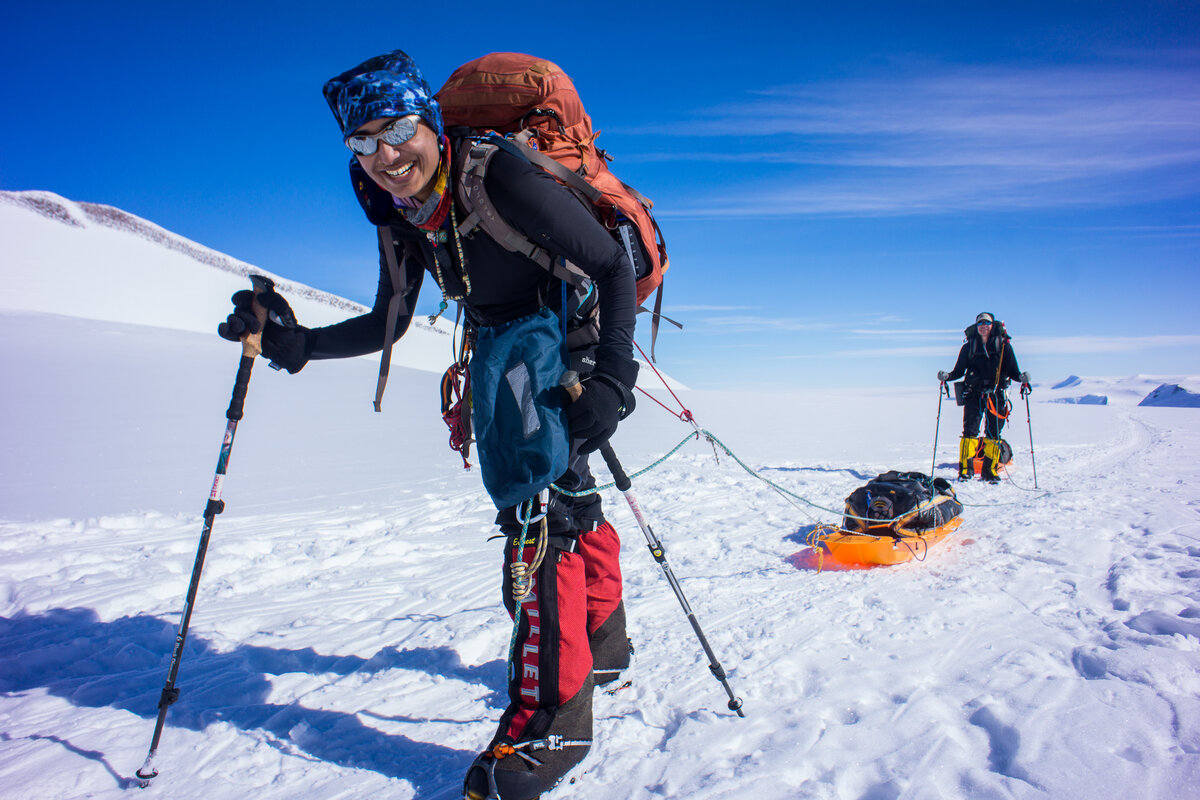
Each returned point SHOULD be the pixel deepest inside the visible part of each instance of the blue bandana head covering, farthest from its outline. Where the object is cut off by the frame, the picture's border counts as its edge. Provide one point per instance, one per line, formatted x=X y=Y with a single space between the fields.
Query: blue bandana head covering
x=390 y=85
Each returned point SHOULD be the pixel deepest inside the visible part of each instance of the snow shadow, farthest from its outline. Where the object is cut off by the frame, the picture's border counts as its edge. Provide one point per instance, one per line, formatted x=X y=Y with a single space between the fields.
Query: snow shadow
x=816 y=559
x=72 y=654
x=828 y=470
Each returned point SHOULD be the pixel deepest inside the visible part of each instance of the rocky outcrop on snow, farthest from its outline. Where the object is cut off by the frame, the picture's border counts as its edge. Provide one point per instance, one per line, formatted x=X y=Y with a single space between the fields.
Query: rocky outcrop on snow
x=1073 y=380
x=1086 y=400
x=1171 y=395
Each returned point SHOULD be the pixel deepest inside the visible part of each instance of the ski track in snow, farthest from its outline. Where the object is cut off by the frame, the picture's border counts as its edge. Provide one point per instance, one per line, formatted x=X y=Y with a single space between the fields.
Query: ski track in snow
x=348 y=638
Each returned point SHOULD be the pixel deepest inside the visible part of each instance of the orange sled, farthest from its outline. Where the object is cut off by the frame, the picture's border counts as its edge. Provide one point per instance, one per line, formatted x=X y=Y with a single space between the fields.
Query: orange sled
x=893 y=519
x=882 y=548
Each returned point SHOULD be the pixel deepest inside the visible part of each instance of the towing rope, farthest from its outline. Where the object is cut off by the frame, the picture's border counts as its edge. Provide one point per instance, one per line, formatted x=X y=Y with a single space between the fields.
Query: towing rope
x=686 y=416
x=712 y=439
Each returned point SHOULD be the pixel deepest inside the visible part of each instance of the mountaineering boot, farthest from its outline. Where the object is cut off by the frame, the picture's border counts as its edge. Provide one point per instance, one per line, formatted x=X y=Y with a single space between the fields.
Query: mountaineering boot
x=522 y=770
x=967 y=447
x=991 y=460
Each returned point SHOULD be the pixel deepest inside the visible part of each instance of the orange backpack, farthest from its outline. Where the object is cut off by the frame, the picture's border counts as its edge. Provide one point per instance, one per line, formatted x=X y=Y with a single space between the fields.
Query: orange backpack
x=532 y=102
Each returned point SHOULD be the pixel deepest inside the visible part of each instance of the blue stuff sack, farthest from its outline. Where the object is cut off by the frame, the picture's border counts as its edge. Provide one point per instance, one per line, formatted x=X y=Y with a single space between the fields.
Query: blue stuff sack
x=519 y=411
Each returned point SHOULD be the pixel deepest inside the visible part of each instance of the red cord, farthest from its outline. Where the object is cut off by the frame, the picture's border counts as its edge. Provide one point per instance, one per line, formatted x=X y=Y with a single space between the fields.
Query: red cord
x=686 y=415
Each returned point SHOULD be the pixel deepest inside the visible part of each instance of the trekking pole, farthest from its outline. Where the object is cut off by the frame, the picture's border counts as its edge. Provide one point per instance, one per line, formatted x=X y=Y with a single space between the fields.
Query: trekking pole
x=660 y=555
x=938 y=428
x=1032 y=457
x=251 y=348
x=570 y=382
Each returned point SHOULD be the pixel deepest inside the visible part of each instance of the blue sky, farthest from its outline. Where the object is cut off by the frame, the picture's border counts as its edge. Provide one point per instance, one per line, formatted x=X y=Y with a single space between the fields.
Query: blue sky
x=842 y=186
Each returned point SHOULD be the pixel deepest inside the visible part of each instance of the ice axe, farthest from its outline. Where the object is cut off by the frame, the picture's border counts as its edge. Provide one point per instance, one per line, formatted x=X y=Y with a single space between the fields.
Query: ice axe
x=251 y=348
x=570 y=382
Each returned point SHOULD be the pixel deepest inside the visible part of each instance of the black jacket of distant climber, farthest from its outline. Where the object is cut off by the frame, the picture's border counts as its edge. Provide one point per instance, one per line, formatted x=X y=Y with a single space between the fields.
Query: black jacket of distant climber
x=979 y=363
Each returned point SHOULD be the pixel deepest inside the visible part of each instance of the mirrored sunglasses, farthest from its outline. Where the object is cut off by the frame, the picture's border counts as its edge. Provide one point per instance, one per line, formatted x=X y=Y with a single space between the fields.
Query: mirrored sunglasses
x=983 y=322
x=395 y=134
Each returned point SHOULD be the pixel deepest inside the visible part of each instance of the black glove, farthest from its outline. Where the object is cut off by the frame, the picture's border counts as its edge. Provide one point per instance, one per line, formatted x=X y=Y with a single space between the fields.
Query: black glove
x=284 y=342
x=594 y=416
x=942 y=376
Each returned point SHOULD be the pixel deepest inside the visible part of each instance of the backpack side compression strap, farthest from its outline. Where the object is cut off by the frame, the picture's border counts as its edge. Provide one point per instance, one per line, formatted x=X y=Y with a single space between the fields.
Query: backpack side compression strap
x=388 y=245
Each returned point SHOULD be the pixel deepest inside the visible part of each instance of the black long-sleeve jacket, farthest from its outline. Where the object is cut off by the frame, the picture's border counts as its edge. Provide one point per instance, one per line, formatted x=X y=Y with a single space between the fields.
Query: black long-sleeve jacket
x=981 y=362
x=504 y=285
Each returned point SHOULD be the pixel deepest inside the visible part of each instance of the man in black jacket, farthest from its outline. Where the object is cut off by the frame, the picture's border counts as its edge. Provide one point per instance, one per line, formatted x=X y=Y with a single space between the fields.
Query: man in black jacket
x=571 y=620
x=988 y=363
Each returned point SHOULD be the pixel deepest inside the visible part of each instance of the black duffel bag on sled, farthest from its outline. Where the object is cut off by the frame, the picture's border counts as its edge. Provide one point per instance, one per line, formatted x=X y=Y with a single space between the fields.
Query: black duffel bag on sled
x=901 y=504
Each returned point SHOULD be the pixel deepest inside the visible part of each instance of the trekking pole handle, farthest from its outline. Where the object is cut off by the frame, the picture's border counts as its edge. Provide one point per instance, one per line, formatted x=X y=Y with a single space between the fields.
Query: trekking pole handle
x=251 y=349
x=252 y=343
x=614 y=466
x=570 y=382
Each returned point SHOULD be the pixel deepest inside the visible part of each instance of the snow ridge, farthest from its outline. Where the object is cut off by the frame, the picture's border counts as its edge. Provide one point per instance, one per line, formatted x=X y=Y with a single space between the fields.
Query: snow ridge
x=52 y=206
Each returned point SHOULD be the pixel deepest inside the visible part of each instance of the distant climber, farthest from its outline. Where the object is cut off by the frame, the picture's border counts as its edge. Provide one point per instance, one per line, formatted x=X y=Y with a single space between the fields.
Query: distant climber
x=987 y=364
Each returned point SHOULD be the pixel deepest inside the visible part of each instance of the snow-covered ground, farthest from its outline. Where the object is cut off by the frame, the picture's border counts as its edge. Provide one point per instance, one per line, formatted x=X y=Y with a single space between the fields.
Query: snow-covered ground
x=348 y=638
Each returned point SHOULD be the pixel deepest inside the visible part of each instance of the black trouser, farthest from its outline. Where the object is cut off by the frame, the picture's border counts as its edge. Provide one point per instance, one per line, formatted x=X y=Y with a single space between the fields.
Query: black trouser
x=976 y=408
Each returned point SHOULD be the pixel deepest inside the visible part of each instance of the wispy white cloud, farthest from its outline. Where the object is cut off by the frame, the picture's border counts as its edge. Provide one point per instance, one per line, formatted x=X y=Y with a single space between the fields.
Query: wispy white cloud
x=960 y=138
x=1035 y=346
x=1068 y=345
x=876 y=352
x=686 y=309
x=843 y=324
x=903 y=332
x=750 y=324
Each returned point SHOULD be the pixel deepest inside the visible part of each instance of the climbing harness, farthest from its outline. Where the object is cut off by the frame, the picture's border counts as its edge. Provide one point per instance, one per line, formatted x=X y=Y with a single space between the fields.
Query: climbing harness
x=991 y=405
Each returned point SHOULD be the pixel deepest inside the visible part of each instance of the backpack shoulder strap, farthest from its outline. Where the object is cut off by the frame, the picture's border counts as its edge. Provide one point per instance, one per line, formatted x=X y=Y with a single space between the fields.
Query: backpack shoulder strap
x=471 y=164
x=1000 y=362
x=572 y=179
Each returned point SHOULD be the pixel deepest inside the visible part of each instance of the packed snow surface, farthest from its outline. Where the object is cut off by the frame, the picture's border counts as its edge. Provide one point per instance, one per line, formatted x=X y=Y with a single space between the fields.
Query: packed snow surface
x=348 y=638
